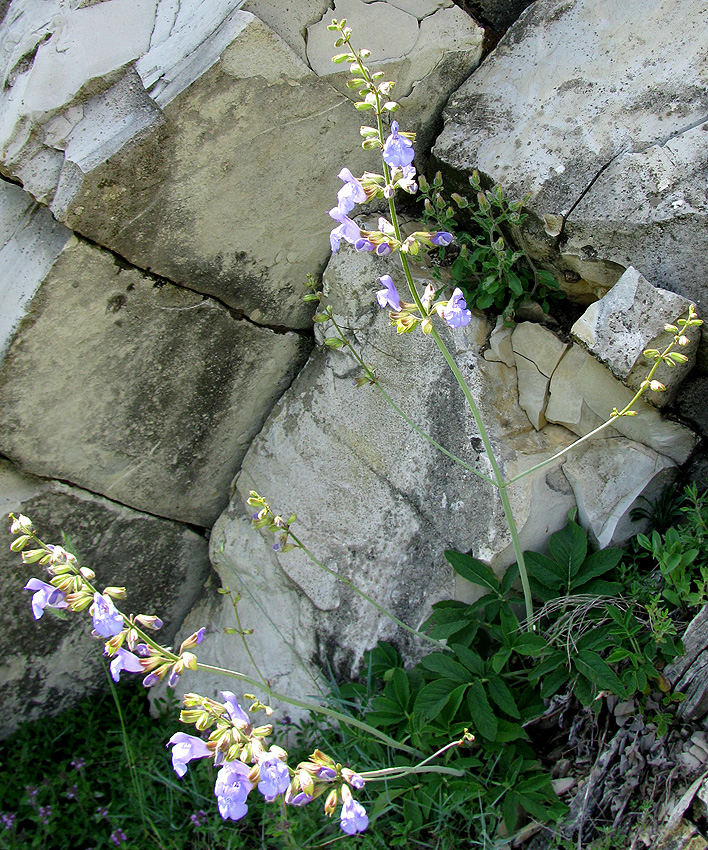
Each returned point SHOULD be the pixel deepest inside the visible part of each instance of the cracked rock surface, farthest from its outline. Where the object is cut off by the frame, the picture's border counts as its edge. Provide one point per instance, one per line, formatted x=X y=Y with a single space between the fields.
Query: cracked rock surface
x=601 y=117
x=47 y=665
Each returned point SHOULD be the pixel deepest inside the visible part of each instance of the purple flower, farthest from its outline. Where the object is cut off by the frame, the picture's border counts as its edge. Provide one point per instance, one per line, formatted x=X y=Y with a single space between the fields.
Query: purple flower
x=363 y=245
x=118 y=837
x=173 y=678
x=45 y=812
x=46 y=596
x=231 y=789
x=328 y=773
x=78 y=763
x=9 y=820
x=101 y=813
x=125 y=661
x=442 y=237
x=347 y=229
x=150 y=680
x=236 y=713
x=184 y=749
x=398 y=151
x=353 y=816
x=383 y=250
x=388 y=296
x=275 y=778
x=198 y=818
x=300 y=799
x=456 y=313
x=351 y=194
x=106 y=620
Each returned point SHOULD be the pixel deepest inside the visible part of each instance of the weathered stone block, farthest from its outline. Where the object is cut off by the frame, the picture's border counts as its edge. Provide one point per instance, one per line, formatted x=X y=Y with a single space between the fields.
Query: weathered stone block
x=137 y=389
x=48 y=664
x=537 y=352
x=619 y=327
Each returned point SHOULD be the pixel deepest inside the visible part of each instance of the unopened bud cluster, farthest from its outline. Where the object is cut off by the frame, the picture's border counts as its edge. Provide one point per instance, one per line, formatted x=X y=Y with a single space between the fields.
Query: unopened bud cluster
x=264 y=517
x=668 y=356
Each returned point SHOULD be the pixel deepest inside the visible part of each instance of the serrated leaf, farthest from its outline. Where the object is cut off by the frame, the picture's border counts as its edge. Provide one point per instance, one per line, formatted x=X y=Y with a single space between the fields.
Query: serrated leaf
x=472 y=570
x=432 y=698
x=509 y=809
x=569 y=547
x=481 y=712
x=545 y=570
x=445 y=666
x=500 y=658
x=585 y=691
x=502 y=696
x=596 y=565
x=528 y=643
x=509 y=577
x=600 y=587
x=554 y=681
x=508 y=731
x=401 y=686
x=598 y=671
x=469 y=658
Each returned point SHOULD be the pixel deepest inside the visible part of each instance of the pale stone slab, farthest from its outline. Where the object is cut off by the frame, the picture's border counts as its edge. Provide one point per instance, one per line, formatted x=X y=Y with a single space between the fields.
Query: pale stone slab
x=618 y=328
x=375 y=503
x=500 y=350
x=607 y=477
x=598 y=115
x=537 y=352
x=583 y=393
x=137 y=389
x=30 y=242
x=47 y=665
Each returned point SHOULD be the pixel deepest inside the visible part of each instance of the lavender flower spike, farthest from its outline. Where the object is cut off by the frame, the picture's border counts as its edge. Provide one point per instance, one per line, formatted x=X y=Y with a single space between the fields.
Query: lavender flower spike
x=353 y=816
x=275 y=778
x=351 y=194
x=184 y=749
x=124 y=661
x=46 y=596
x=347 y=229
x=398 y=151
x=106 y=620
x=231 y=789
x=456 y=313
x=389 y=295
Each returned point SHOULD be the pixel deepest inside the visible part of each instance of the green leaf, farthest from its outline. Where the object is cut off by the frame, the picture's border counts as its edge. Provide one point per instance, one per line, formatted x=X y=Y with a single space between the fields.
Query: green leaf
x=502 y=696
x=460 y=269
x=509 y=577
x=554 y=681
x=485 y=301
x=569 y=546
x=500 y=658
x=401 y=686
x=432 y=698
x=445 y=666
x=514 y=283
x=469 y=658
x=545 y=570
x=585 y=691
x=597 y=564
x=412 y=814
x=472 y=570
x=509 y=808
x=528 y=643
x=508 y=731
x=600 y=587
x=482 y=715
x=598 y=671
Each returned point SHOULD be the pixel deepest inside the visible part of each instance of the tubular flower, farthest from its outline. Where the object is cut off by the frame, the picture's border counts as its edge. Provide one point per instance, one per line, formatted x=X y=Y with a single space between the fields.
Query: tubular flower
x=388 y=296
x=124 y=661
x=46 y=596
x=456 y=313
x=184 y=749
x=106 y=620
x=274 y=776
x=347 y=229
x=351 y=194
x=398 y=150
x=442 y=238
x=231 y=789
x=353 y=816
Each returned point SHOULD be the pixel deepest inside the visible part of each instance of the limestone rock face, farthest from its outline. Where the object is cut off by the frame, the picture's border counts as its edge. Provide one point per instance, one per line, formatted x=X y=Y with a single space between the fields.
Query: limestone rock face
x=376 y=503
x=618 y=328
x=30 y=242
x=137 y=389
x=47 y=665
x=601 y=117
x=607 y=477
x=583 y=393
x=169 y=120
x=537 y=352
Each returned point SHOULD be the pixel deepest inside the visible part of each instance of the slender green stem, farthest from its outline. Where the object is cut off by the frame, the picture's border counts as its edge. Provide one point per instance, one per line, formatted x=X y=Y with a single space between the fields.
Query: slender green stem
x=312 y=707
x=361 y=593
x=242 y=633
x=375 y=381
x=421 y=767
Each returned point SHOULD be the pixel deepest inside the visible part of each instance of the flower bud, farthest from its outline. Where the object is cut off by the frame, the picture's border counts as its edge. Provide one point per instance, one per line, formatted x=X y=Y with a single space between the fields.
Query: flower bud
x=656 y=386
x=19 y=543
x=331 y=802
x=115 y=592
x=32 y=556
x=683 y=340
x=87 y=573
x=21 y=523
x=189 y=660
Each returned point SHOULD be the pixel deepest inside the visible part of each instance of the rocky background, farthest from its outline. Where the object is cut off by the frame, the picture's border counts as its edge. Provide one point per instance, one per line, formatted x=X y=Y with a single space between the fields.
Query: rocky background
x=167 y=167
